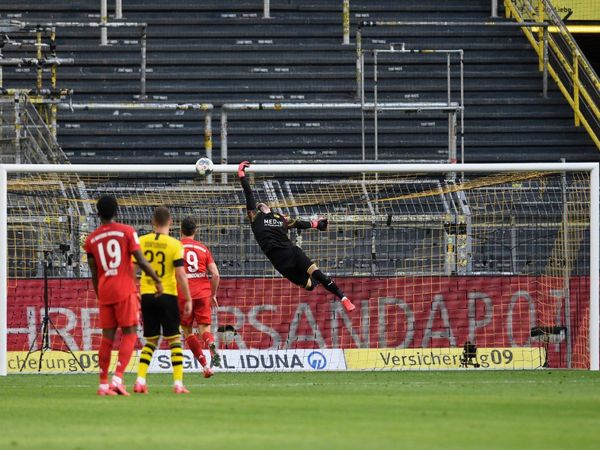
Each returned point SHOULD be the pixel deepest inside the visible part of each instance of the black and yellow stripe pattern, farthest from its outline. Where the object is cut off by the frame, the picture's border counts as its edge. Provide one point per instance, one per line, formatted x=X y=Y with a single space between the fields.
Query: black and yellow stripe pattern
x=145 y=359
x=176 y=357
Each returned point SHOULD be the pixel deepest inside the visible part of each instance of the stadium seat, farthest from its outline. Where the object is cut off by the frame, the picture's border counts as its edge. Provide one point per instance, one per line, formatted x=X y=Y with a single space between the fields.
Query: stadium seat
x=222 y=52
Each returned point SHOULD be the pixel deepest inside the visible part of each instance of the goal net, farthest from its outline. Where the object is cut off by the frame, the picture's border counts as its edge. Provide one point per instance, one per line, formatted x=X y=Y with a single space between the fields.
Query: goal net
x=450 y=267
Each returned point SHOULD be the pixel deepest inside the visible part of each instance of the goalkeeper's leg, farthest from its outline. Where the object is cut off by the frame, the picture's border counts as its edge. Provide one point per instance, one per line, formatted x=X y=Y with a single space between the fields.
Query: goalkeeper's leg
x=325 y=280
x=330 y=285
x=300 y=270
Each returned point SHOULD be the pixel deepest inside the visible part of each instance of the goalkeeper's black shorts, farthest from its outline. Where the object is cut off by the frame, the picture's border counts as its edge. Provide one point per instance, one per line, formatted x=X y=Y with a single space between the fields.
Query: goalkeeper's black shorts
x=292 y=263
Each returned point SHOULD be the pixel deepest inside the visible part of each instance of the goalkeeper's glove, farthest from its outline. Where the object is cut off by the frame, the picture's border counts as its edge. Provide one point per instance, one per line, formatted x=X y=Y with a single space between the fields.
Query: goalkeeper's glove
x=319 y=224
x=242 y=169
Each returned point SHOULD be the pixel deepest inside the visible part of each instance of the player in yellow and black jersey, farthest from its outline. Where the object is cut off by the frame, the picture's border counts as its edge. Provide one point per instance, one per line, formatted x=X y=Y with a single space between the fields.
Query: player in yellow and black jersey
x=161 y=314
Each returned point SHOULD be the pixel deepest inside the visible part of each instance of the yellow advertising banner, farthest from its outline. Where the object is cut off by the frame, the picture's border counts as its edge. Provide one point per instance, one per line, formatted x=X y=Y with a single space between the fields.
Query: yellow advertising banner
x=61 y=362
x=578 y=9
x=443 y=358
x=356 y=359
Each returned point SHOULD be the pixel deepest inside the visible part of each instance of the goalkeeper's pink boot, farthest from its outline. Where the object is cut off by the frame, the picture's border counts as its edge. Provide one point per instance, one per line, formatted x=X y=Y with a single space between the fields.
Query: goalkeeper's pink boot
x=106 y=391
x=347 y=304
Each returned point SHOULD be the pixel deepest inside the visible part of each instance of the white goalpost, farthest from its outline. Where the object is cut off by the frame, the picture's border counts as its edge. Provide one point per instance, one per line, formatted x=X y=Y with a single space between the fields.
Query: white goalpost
x=451 y=266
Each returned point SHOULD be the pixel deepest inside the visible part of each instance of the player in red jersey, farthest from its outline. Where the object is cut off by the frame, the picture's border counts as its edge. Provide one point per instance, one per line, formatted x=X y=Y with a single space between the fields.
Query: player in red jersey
x=203 y=279
x=109 y=249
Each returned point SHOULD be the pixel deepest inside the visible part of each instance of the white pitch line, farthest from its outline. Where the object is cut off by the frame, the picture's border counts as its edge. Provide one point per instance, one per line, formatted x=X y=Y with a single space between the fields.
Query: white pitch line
x=209 y=385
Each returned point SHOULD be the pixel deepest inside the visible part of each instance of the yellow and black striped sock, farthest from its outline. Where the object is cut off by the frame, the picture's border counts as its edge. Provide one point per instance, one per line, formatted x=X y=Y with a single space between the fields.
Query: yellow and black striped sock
x=176 y=358
x=145 y=358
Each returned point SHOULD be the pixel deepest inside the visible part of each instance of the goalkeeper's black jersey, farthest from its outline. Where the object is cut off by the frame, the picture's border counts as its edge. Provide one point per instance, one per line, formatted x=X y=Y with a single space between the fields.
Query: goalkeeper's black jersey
x=270 y=231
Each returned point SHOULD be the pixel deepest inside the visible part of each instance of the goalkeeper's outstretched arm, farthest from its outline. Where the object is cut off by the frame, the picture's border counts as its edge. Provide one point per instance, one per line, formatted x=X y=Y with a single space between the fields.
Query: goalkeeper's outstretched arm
x=250 y=201
x=319 y=224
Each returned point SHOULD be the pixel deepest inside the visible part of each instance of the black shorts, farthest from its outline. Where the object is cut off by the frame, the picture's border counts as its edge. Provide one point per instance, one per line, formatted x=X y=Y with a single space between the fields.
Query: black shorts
x=292 y=263
x=160 y=315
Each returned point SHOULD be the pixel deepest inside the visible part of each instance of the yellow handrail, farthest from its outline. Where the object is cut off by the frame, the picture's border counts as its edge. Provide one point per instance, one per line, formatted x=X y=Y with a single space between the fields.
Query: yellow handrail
x=541 y=37
x=576 y=84
x=570 y=71
x=579 y=63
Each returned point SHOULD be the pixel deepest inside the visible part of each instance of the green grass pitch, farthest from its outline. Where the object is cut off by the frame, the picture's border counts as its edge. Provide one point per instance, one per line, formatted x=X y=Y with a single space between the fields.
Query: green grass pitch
x=348 y=410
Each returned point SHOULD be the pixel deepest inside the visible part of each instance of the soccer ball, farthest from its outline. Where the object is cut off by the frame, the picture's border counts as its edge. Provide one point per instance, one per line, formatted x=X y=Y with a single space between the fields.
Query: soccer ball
x=204 y=167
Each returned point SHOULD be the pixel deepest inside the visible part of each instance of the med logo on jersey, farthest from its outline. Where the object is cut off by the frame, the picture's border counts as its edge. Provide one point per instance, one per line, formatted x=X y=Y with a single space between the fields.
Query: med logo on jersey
x=274 y=221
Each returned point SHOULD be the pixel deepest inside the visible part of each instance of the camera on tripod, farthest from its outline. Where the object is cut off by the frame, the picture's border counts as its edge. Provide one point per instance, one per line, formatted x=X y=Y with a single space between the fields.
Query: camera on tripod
x=46 y=324
x=469 y=355
x=57 y=260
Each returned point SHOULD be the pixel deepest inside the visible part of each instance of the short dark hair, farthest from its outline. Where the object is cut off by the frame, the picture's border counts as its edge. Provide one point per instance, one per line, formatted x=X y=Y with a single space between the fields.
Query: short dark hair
x=161 y=216
x=188 y=226
x=107 y=207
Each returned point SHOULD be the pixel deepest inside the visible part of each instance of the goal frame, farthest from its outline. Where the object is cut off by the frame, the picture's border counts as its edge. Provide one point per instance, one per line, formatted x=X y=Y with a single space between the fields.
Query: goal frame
x=189 y=169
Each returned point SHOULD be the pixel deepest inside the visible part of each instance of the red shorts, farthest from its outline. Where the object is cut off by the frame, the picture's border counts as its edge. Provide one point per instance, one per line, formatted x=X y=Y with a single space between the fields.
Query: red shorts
x=121 y=314
x=200 y=312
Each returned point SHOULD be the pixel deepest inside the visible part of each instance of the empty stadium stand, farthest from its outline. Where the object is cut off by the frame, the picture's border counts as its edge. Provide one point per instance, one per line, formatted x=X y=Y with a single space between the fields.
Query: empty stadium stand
x=225 y=51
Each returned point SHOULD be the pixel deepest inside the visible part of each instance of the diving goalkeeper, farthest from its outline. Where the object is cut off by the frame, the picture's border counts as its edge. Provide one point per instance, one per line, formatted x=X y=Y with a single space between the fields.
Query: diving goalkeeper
x=270 y=230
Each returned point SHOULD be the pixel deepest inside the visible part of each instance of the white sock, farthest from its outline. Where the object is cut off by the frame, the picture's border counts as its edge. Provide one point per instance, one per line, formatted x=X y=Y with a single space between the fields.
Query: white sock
x=141 y=381
x=116 y=380
x=178 y=383
x=104 y=387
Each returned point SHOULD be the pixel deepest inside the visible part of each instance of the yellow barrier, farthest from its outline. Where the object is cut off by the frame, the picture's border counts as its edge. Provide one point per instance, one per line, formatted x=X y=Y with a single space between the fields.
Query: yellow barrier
x=571 y=69
x=61 y=362
x=578 y=9
x=442 y=358
x=590 y=29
